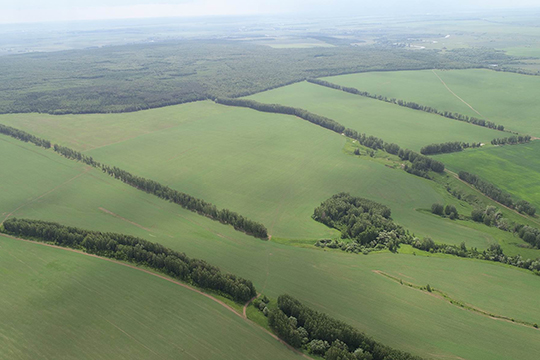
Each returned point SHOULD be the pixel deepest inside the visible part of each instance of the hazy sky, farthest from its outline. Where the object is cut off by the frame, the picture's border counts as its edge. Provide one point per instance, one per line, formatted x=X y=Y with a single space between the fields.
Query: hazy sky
x=16 y=11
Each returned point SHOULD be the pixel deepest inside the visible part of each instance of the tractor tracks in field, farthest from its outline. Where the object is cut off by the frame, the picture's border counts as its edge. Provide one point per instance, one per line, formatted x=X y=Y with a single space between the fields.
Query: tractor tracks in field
x=243 y=316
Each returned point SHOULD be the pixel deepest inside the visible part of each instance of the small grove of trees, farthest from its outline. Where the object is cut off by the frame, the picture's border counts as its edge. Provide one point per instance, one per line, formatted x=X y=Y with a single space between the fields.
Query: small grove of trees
x=411 y=105
x=420 y=164
x=492 y=217
x=448 y=210
x=365 y=222
x=322 y=335
x=136 y=250
x=448 y=147
x=512 y=140
x=497 y=194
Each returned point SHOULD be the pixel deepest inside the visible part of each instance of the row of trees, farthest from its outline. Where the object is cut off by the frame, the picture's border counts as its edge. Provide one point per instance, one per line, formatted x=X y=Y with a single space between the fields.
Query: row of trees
x=447 y=147
x=136 y=250
x=411 y=105
x=188 y=202
x=512 y=140
x=497 y=194
x=490 y=216
x=365 y=222
x=322 y=335
x=24 y=136
x=420 y=165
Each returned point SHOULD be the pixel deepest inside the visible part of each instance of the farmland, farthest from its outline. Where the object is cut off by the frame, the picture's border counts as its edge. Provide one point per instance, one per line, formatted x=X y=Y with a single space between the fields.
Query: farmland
x=514 y=169
x=343 y=285
x=504 y=98
x=276 y=168
x=405 y=127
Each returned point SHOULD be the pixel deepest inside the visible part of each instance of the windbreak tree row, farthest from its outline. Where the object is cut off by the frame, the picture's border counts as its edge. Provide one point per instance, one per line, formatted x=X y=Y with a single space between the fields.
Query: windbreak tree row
x=447 y=147
x=135 y=250
x=188 y=202
x=497 y=194
x=411 y=105
x=512 y=140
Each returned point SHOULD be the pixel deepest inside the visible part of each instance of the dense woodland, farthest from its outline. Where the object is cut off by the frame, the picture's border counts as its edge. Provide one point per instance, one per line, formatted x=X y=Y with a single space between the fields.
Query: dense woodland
x=411 y=105
x=322 y=335
x=188 y=202
x=497 y=194
x=365 y=222
x=141 y=76
x=447 y=147
x=136 y=250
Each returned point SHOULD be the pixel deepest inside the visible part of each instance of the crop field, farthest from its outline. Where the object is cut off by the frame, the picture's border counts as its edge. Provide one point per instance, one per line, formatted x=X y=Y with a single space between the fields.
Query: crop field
x=343 y=285
x=59 y=302
x=406 y=127
x=504 y=98
x=275 y=168
x=515 y=169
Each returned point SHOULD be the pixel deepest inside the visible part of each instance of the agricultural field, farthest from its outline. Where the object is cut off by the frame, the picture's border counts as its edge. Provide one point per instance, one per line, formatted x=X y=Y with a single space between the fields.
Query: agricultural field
x=515 y=169
x=275 y=168
x=406 y=127
x=60 y=302
x=340 y=284
x=503 y=98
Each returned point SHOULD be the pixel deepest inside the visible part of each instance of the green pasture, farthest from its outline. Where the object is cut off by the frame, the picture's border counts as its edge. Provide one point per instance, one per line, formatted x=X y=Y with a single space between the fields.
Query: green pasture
x=58 y=305
x=504 y=98
x=343 y=285
x=513 y=168
x=272 y=168
x=406 y=127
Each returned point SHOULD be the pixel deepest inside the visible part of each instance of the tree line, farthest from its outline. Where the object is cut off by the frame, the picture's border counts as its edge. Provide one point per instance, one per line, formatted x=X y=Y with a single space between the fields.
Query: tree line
x=188 y=202
x=420 y=165
x=411 y=105
x=24 y=136
x=497 y=194
x=129 y=248
x=365 y=222
x=322 y=335
x=447 y=147
x=512 y=140
x=490 y=216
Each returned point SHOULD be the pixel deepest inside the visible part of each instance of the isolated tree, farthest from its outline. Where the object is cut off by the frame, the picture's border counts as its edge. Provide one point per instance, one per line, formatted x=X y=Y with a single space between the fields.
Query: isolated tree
x=437 y=209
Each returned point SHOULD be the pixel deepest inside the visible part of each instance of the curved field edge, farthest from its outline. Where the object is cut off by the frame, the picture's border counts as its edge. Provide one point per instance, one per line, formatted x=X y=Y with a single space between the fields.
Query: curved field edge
x=60 y=303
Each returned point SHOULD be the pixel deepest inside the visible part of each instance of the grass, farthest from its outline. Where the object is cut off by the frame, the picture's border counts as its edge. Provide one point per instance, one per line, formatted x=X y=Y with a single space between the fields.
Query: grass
x=504 y=98
x=59 y=304
x=515 y=169
x=343 y=285
x=274 y=168
x=408 y=128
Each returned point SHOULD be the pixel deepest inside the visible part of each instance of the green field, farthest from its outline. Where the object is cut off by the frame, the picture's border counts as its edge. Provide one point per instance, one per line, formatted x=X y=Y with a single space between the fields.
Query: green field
x=59 y=304
x=341 y=284
x=504 y=98
x=406 y=127
x=273 y=168
x=515 y=169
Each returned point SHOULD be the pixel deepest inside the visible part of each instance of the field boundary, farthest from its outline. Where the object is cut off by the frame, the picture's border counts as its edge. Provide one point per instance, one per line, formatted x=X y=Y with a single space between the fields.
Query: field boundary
x=164 y=277
x=444 y=296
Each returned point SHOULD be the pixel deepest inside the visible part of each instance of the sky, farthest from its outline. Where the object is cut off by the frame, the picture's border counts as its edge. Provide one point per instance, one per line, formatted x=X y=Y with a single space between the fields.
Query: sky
x=25 y=11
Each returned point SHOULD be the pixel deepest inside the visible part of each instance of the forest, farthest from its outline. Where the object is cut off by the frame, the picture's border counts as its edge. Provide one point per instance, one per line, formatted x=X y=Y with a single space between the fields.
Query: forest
x=135 y=250
x=142 y=76
x=322 y=335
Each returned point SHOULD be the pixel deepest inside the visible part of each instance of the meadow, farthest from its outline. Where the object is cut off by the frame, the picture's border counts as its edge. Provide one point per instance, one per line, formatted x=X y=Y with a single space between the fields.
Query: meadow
x=504 y=98
x=59 y=302
x=343 y=285
x=275 y=168
x=408 y=128
x=515 y=169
